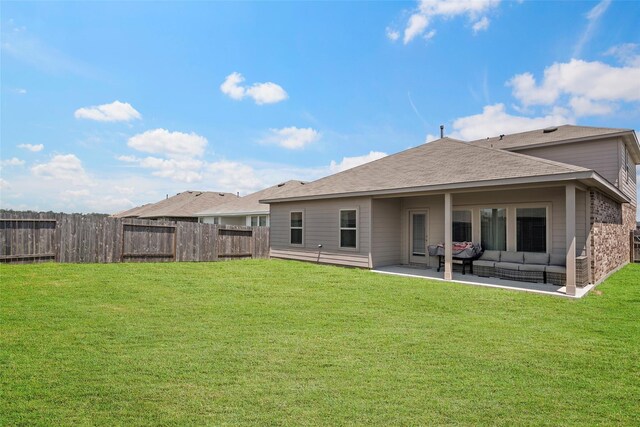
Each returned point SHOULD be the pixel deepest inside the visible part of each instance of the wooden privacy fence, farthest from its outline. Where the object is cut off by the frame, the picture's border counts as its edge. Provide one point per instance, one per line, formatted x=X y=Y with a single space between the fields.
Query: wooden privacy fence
x=76 y=238
x=636 y=246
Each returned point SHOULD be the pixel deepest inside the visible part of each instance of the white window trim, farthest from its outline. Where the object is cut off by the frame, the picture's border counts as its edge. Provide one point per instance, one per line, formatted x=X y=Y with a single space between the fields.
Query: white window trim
x=257 y=217
x=357 y=229
x=297 y=228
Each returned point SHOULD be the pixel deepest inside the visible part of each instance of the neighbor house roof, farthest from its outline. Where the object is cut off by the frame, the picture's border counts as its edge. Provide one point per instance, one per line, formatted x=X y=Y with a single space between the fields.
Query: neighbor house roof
x=442 y=164
x=250 y=204
x=133 y=212
x=554 y=134
x=182 y=205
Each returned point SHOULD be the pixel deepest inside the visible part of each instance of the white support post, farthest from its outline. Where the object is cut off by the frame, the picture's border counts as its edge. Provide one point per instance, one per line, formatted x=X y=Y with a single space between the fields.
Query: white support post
x=448 y=235
x=570 y=212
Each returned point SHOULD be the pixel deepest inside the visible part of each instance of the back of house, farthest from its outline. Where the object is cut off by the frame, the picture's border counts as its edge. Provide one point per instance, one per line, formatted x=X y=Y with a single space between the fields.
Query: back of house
x=566 y=191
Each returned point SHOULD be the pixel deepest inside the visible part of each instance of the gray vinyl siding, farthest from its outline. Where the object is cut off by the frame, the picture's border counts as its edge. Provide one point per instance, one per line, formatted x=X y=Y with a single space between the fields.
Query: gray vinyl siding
x=627 y=180
x=385 y=232
x=601 y=156
x=321 y=227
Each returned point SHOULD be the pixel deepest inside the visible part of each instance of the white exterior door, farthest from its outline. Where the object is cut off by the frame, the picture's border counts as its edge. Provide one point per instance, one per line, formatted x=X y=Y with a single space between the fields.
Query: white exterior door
x=418 y=237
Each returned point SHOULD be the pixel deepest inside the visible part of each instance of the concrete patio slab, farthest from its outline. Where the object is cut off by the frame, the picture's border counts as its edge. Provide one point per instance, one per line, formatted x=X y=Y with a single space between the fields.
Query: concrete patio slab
x=491 y=282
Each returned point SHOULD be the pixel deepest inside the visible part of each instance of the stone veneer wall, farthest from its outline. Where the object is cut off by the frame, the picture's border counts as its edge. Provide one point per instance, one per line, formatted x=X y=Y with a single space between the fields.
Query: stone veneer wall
x=611 y=225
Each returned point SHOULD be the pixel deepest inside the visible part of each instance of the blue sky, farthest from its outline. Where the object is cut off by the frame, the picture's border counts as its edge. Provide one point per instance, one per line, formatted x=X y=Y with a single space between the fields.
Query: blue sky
x=107 y=105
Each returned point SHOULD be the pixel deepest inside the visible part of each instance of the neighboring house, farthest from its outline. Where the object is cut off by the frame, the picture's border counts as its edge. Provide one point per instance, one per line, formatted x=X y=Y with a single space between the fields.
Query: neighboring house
x=246 y=210
x=181 y=207
x=568 y=191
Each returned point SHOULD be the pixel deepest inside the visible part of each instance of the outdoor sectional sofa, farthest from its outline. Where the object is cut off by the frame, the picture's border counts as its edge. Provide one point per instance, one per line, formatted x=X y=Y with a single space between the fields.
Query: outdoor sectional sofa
x=522 y=266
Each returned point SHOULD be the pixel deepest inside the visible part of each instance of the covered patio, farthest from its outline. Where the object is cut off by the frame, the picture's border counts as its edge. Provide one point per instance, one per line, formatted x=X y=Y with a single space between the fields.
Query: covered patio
x=491 y=282
x=549 y=218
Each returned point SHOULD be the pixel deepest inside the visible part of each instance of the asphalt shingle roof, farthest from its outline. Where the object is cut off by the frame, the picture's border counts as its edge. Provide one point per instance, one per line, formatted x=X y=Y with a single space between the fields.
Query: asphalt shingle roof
x=441 y=162
x=182 y=205
x=250 y=203
x=539 y=136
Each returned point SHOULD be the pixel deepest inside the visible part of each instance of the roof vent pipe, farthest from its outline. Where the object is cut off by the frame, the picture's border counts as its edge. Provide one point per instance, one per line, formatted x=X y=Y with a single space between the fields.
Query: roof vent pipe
x=441 y=131
x=501 y=136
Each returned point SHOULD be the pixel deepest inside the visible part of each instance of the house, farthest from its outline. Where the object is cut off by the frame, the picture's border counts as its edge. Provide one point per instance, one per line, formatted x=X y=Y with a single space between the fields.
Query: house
x=246 y=210
x=181 y=207
x=568 y=191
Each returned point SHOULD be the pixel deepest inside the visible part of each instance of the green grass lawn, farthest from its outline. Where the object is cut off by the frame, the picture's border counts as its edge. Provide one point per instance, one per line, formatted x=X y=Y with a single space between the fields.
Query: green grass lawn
x=287 y=343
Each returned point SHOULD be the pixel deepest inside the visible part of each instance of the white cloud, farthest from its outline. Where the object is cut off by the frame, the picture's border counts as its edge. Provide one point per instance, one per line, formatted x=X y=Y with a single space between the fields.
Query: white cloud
x=31 y=147
x=61 y=167
x=626 y=53
x=292 y=137
x=186 y=170
x=494 y=120
x=170 y=144
x=234 y=176
x=14 y=161
x=183 y=170
x=474 y=10
x=4 y=184
x=481 y=25
x=352 y=162
x=430 y=138
x=582 y=106
x=180 y=154
x=589 y=88
x=115 y=112
x=262 y=93
x=231 y=86
x=416 y=25
x=593 y=16
x=267 y=93
x=128 y=159
x=392 y=34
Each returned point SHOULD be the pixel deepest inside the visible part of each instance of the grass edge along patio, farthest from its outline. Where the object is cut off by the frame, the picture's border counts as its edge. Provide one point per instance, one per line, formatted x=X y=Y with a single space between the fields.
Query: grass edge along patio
x=568 y=192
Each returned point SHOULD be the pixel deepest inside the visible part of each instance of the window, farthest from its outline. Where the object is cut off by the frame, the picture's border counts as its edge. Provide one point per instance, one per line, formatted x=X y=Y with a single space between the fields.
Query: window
x=461 y=227
x=626 y=164
x=259 y=221
x=348 y=228
x=296 y=228
x=531 y=229
x=493 y=229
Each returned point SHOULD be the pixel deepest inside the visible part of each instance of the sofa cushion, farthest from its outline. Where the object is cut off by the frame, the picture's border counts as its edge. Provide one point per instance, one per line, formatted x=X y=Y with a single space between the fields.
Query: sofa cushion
x=490 y=256
x=508 y=265
x=484 y=263
x=532 y=267
x=508 y=256
x=536 y=258
x=556 y=269
x=557 y=260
